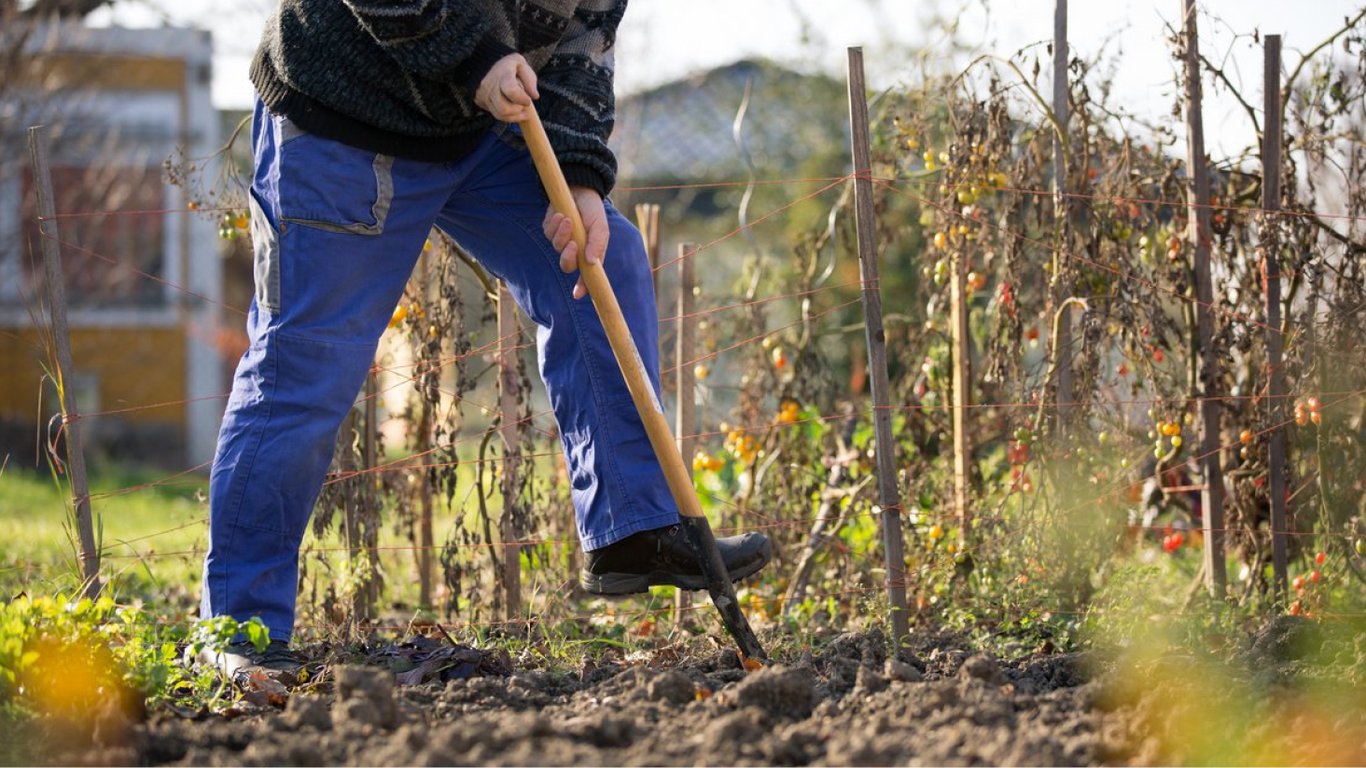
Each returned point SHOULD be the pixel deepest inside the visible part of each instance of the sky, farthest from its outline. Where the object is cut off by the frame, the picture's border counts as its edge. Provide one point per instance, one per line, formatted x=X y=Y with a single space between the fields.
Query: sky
x=662 y=40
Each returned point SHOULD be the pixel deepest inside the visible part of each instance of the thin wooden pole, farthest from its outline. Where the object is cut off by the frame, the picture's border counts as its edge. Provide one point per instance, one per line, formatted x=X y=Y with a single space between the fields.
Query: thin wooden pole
x=1062 y=349
x=889 y=499
x=426 y=542
x=962 y=392
x=61 y=335
x=685 y=350
x=370 y=443
x=1198 y=229
x=509 y=334
x=647 y=220
x=346 y=462
x=370 y=494
x=1271 y=203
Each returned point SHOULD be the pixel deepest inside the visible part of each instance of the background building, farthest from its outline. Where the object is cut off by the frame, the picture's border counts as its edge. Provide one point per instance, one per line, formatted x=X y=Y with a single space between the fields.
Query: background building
x=131 y=131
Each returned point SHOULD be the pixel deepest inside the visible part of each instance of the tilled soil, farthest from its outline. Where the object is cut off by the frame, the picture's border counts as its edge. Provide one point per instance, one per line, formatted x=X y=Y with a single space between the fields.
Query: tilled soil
x=937 y=704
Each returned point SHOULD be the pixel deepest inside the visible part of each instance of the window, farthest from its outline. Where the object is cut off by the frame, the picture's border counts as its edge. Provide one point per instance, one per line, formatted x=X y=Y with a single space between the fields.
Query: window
x=112 y=231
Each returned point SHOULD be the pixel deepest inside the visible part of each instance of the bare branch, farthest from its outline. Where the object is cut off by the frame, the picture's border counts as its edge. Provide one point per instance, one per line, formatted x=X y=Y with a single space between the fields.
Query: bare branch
x=1290 y=81
x=1221 y=75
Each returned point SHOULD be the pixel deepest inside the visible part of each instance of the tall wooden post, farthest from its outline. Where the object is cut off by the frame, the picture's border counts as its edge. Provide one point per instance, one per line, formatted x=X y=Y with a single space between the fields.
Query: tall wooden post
x=1198 y=230
x=509 y=333
x=1271 y=270
x=61 y=337
x=422 y=444
x=685 y=351
x=1062 y=351
x=370 y=494
x=647 y=221
x=889 y=499
x=962 y=392
x=351 y=511
x=426 y=542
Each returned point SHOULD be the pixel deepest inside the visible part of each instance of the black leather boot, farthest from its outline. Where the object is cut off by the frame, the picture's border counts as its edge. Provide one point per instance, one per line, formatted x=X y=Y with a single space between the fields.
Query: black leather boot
x=664 y=556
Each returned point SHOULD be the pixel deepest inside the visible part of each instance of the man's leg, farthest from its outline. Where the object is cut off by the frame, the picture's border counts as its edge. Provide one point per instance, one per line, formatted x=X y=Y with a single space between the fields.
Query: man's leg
x=616 y=484
x=627 y=518
x=336 y=232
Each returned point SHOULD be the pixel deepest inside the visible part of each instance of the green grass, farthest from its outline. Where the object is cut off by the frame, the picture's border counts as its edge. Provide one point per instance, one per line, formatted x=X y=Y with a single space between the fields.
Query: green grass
x=138 y=529
x=152 y=529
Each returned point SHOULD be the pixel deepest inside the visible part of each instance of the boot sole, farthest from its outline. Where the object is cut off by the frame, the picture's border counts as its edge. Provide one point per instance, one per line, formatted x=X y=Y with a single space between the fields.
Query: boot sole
x=619 y=584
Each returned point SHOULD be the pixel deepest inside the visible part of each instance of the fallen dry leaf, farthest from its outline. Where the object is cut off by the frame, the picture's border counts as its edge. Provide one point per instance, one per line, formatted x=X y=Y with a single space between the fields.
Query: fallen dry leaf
x=261 y=685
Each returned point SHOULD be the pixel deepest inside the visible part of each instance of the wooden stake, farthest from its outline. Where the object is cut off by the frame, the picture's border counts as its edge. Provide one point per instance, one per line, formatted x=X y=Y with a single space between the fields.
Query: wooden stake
x=685 y=350
x=509 y=333
x=1212 y=497
x=426 y=544
x=61 y=336
x=647 y=221
x=889 y=498
x=346 y=463
x=1062 y=350
x=1271 y=204
x=369 y=493
x=962 y=392
x=425 y=539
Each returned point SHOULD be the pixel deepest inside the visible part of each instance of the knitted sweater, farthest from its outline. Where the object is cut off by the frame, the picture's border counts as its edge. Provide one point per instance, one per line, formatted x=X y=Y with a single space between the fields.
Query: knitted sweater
x=399 y=76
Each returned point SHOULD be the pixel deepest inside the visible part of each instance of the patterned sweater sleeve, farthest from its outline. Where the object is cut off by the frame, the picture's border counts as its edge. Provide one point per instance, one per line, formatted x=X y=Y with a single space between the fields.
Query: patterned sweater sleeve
x=577 y=103
x=443 y=40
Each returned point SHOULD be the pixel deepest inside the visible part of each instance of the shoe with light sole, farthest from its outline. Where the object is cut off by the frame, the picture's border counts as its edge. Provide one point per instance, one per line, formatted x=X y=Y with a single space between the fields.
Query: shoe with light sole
x=240 y=660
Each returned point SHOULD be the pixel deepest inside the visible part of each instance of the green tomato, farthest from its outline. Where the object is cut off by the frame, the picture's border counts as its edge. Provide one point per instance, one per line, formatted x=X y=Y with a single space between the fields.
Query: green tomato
x=941 y=272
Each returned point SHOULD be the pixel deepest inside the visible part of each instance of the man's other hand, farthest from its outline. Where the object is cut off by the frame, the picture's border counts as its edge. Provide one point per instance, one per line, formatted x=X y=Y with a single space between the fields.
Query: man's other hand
x=560 y=231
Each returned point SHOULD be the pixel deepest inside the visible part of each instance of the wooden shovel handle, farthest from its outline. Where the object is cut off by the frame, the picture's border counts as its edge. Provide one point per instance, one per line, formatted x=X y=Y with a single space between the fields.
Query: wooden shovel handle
x=609 y=312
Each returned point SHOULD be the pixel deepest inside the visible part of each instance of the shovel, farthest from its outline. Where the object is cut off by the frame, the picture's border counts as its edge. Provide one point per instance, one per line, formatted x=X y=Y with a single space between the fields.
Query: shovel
x=651 y=413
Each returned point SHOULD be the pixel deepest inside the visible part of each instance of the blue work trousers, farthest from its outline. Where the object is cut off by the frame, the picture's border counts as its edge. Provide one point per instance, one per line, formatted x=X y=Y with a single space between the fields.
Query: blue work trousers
x=336 y=232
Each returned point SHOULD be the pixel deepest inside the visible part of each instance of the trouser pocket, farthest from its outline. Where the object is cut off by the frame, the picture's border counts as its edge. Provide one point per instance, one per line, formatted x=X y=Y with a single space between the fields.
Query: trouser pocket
x=332 y=186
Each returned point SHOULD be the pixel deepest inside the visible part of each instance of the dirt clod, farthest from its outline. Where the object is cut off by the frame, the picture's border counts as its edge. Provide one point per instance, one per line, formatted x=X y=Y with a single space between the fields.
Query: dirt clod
x=868 y=681
x=982 y=667
x=671 y=687
x=365 y=697
x=902 y=672
x=113 y=726
x=777 y=690
x=307 y=711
